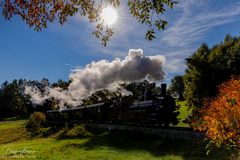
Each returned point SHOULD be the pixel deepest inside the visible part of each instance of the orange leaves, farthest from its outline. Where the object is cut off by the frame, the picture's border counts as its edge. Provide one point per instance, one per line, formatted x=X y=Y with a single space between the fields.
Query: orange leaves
x=220 y=117
x=37 y=13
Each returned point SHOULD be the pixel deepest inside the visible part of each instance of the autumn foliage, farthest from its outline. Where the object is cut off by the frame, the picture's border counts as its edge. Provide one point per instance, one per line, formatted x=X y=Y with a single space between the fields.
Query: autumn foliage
x=39 y=13
x=220 y=118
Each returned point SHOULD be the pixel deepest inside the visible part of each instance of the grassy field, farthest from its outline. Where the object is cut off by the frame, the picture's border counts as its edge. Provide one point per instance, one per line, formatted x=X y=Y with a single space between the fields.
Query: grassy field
x=184 y=112
x=15 y=143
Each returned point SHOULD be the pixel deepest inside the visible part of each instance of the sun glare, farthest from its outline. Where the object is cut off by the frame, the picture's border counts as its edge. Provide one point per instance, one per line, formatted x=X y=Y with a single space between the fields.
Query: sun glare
x=109 y=15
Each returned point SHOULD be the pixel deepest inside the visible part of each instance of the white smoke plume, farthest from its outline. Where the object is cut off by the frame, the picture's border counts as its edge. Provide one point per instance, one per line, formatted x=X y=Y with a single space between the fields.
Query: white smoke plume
x=103 y=74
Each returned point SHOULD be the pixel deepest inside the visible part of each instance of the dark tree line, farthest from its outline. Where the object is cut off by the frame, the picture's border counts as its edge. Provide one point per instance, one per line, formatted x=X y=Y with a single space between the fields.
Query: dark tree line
x=13 y=101
x=137 y=91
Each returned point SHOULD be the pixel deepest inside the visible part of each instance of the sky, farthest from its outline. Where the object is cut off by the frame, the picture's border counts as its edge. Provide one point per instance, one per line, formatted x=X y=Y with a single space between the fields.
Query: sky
x=54 y=52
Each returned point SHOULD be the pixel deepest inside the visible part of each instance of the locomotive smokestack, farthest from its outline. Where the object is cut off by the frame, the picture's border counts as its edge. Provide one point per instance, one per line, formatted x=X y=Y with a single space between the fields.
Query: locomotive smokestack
x=163 y=89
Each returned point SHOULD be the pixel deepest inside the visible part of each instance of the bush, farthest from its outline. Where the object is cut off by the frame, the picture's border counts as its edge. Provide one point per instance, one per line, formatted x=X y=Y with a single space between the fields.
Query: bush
x=36 y=124
x=77 y=131
x=220 y=117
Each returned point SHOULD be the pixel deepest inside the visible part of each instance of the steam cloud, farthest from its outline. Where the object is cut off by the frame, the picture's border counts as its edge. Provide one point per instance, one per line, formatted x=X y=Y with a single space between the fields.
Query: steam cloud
x=103 y=75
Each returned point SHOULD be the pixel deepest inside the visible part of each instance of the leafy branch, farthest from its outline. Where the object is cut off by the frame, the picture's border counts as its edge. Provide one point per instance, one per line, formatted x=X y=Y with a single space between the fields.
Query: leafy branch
x=38 y=13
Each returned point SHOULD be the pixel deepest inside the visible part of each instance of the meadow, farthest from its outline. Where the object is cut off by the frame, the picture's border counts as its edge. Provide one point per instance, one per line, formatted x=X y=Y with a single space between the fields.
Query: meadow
x=16 y=143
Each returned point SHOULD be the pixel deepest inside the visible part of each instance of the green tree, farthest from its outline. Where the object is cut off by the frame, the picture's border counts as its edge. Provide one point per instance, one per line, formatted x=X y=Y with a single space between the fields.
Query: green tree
x=100 y=96
x=50 y=103
x=136 y=89
x=38 y=13
x=36 y=124
x=177 y=86
x=12 y=100
x=62 y=84
x=207 y=68
x=197 y=76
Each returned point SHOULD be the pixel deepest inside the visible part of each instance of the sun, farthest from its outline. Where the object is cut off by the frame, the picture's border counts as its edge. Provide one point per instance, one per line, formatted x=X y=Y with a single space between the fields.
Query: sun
x=109 y=15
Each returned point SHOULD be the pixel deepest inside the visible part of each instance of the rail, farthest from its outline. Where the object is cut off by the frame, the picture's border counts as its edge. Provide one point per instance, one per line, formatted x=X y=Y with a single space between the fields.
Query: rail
x=165 y=132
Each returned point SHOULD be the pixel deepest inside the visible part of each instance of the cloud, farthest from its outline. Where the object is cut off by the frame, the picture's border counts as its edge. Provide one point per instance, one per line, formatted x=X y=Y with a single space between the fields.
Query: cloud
x=103 y=74
x=190 y=23
x=176 y=65
x=193 y=24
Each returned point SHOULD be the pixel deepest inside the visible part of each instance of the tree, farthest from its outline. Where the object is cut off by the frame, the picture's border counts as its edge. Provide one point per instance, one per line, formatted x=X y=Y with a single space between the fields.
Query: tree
x=197 y=76
x=12 y=100
x=207 y=68
x=35 y=124
x=137 y=90
x=44 y=83
x=38 y=13
x=220 y=116
x=177 y=86
x=62 y=84
x=100 y=96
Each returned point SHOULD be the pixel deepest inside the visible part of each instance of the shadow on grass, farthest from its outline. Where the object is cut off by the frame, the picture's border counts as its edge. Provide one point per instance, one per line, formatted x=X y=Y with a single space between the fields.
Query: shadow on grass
x=155 y=145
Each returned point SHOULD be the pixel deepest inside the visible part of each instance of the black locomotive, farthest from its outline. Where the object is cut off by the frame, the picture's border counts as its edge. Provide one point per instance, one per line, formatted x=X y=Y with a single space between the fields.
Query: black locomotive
x=160 y=111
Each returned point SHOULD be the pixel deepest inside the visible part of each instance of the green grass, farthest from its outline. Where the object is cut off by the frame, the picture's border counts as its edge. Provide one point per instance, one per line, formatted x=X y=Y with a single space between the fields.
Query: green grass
x=12 y=131
x=11 y=124
x=72 y=149
x=184 y=112
x=16 y=144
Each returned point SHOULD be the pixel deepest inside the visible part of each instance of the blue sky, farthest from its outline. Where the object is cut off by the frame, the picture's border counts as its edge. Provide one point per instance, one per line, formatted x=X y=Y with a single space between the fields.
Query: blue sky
x=55 y=51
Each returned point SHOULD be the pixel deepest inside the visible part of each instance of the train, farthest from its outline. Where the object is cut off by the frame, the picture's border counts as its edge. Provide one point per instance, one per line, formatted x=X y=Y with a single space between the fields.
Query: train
x=160 y=111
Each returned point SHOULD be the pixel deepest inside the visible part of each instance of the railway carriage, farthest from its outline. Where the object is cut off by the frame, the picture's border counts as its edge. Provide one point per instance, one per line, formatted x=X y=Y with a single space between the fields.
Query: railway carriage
x=161 y=111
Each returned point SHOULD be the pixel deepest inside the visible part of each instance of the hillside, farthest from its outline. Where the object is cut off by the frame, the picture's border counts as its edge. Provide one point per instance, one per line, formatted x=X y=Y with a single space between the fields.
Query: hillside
x=16 y=143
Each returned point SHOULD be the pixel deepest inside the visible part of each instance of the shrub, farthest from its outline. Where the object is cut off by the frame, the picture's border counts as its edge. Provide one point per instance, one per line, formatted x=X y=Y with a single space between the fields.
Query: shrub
x=77 y=131
x=35 y=124
x=220 y=117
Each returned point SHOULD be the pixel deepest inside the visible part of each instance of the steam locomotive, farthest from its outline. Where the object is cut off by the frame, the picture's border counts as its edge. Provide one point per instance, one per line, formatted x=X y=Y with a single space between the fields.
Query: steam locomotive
x=159 y=111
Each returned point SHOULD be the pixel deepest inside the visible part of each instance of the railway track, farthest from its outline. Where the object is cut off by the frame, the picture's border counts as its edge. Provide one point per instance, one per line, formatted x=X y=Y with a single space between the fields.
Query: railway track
x=165 y=132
